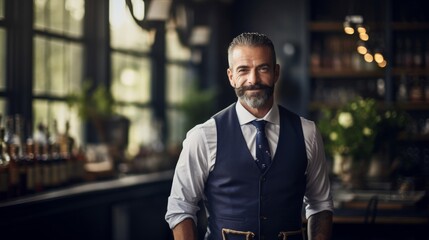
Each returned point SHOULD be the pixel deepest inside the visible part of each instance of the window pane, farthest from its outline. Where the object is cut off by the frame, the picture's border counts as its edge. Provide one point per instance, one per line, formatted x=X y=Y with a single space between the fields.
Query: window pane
x=179 y=81
x=1 y=9
x=177 y=124
x=2 y=59
x=57 y=67
x=131 y=78
x=175 y=50
x=3 y=107
x=62 y=16
x=142 y=130
x=124 y=32
x=46 y=112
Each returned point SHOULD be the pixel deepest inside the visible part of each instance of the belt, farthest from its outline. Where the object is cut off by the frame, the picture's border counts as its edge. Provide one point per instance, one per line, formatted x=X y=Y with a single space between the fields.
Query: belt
x=250 y=235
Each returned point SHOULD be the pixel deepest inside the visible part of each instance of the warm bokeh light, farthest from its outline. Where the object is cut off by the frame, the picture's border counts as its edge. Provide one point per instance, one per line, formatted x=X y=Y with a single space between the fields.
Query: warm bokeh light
x=368 y=57
x=362 y=49
x=361 y=29
x=382 y=64
x=349 y=30
x=364 y=36
x=378 y=57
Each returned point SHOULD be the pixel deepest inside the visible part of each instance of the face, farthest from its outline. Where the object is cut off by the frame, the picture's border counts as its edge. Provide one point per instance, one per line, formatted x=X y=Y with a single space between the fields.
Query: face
x=253 y=75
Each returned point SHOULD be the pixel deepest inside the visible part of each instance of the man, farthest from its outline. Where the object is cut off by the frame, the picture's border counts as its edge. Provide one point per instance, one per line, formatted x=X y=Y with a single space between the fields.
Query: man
x=249 y=193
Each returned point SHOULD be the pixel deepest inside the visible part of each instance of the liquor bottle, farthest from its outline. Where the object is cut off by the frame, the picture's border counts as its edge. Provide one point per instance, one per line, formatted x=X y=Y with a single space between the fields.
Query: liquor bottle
x=20 y=151
x=399 y=56
x=13 y=188
x=427 y=53
x=408 y=53
x=38 y=165
x=417 y=54
x=52 y=159
x=42 y=156
x=31 y=166
x=66 y=148
x=4 y=166
x=58 y=162
x=402 y=95
x=416 y=90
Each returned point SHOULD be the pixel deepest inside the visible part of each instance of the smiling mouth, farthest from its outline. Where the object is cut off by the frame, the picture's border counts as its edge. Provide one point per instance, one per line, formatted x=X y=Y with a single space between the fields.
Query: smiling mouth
x=254 y=87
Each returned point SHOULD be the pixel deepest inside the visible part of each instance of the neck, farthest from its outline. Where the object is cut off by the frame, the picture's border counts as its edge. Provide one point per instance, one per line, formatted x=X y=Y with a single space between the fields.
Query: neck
x=261 y=111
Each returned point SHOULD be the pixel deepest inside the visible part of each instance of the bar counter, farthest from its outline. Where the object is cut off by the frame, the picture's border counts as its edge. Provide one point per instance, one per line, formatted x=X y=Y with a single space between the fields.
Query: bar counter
x=130 y=207
x=133 y=207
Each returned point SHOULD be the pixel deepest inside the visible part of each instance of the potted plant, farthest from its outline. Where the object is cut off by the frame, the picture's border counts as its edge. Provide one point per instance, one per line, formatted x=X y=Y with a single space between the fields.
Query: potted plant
x=354 y=132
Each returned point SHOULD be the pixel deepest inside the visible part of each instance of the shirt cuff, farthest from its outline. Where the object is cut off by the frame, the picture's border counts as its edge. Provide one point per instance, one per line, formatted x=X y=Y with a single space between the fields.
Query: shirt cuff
x=178 y=210
x=319 y=207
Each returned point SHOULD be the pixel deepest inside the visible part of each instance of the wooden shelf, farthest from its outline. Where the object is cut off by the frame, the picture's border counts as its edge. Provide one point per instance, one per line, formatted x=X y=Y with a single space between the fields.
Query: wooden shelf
x=410 y=71
x=414 y=138
x=326 y=26
x=410 y=26
x=420 y=106
x=348 y=73
x=335 y=26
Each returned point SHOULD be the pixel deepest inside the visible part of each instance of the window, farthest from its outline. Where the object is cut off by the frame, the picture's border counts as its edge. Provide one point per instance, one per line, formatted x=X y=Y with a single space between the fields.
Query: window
x=58 y=62
x=2 y=59
x=181 y=78
x=132 y=75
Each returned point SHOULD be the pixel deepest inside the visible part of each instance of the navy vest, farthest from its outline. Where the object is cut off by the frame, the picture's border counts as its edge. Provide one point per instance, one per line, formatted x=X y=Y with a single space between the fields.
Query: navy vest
x=242 y=198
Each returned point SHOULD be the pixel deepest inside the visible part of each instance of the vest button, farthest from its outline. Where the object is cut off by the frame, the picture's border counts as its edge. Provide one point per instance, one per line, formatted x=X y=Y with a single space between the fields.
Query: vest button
x=263 y=179
x=263 y=218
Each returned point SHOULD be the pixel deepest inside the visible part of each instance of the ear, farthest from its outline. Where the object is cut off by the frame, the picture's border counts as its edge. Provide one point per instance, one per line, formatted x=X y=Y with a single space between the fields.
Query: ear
x=231 y=81
x=276 y=72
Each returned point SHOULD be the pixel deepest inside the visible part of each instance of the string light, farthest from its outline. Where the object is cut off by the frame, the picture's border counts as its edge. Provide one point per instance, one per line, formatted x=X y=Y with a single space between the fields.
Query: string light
x=354 y=23
x=368 y=57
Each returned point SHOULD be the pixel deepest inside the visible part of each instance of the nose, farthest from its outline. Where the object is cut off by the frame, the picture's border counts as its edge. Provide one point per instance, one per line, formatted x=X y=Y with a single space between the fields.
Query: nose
x=253 y=77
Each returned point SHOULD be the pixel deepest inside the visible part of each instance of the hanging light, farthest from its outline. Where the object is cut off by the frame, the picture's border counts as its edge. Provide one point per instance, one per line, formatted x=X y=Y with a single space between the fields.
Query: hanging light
x=382 y=64
x=364 y=36
x=378 y=57
x=361 y=28
x=368 y=57
x=361 y=48
x=348 y=29
x=349 y=23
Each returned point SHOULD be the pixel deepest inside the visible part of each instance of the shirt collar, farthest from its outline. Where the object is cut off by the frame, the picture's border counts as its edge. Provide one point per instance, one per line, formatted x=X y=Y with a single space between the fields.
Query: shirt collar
x=245 y=117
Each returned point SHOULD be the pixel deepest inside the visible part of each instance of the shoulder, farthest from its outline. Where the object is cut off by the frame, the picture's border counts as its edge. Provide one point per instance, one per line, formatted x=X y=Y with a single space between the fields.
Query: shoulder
x=309 y=129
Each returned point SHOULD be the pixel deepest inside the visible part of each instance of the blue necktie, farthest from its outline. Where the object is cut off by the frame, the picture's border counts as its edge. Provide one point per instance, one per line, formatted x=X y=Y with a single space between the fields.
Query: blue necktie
x=263 y=155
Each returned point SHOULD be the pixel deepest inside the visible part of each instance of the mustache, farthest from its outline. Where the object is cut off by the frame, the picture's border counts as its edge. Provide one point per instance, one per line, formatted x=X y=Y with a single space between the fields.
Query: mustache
x=257 y=86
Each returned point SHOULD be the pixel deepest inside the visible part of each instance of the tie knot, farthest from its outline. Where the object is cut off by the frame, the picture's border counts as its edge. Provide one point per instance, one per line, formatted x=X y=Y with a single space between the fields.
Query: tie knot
x=260 y=125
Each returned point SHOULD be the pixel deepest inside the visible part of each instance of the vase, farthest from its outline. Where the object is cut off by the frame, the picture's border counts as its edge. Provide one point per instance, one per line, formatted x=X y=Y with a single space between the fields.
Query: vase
x=350 y=171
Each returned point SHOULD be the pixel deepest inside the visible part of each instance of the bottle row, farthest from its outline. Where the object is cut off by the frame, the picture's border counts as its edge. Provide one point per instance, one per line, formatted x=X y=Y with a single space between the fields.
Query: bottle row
x=411 y=51
x=340 y=91
x=36 y=163
x=337 y=52
x=408 y=89
x=341 y=52
x=414 y=89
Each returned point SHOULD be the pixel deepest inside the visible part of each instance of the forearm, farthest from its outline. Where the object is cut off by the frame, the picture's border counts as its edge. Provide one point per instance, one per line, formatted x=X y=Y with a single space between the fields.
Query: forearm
x=319 y=226
x=185 y=230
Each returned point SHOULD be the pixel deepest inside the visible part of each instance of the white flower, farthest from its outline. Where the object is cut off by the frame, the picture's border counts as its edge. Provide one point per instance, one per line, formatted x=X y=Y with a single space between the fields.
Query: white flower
x=333 y=136
x=345 y=119
x=367 y=131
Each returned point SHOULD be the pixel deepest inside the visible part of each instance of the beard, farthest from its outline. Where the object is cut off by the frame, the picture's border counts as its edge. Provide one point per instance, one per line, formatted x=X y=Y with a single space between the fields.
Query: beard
x=256 y=99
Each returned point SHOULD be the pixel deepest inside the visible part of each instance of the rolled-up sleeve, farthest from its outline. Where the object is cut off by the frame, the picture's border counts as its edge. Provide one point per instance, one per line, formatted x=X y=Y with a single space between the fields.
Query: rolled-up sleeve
x=190 y=175
x=318 y=191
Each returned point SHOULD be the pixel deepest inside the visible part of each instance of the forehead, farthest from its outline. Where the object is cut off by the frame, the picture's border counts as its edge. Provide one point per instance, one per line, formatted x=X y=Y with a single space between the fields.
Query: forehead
x=251 y=55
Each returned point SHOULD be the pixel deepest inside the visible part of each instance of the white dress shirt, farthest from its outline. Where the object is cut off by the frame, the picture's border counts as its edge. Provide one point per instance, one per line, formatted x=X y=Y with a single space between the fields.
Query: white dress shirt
x=198 y=158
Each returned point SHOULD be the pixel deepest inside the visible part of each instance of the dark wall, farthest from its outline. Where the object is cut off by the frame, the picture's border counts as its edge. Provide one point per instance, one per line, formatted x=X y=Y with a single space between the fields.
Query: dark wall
x=284 y=21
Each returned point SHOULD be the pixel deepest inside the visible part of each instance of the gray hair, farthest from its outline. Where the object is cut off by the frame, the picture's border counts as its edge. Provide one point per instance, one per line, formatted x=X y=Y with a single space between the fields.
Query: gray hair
x=251 y=39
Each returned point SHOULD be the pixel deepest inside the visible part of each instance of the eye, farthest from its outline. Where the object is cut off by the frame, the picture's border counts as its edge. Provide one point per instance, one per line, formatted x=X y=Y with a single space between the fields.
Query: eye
x=264 y=69
x=242 y=70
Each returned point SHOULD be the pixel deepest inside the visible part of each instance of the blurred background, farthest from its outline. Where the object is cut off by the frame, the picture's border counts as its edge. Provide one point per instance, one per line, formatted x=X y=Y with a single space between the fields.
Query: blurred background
x=96 y=97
